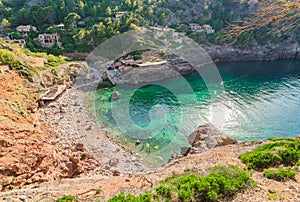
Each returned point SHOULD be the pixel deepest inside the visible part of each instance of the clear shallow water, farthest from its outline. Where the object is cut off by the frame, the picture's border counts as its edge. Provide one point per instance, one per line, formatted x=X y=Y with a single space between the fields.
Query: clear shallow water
x=260 y=100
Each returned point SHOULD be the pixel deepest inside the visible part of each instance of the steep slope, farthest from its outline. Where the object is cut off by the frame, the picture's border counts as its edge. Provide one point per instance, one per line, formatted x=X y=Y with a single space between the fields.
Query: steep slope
x=26 y=154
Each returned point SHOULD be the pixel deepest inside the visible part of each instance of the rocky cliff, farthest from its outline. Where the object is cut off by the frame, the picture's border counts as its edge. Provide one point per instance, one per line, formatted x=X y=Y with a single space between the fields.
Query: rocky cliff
x=284 y=50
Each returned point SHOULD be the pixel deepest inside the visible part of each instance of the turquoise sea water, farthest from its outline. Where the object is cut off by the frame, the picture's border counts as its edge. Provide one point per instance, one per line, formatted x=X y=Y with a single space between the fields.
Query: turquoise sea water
x=259 y=100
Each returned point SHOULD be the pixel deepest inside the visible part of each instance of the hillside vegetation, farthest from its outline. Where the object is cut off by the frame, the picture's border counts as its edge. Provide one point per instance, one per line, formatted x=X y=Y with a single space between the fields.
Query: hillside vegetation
x=221 y=182
x=224 y=182
x=26 y=61
x=90 y=23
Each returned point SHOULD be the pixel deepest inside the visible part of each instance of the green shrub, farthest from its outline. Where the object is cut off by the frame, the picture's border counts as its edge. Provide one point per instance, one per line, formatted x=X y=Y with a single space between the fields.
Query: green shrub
x=161 y=53
x=69 y=198
x=147 y=197
x=163 y=191
x=54 y=61
x=137 y=57
x=7 y=58
x=280 y=174
x=221 y=182
x=285 y=152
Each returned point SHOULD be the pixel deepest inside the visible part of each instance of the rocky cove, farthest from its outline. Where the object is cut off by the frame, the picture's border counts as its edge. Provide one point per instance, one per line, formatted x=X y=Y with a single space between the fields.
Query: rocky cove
x=90 y=157
x=95 y=162
x=218 y=53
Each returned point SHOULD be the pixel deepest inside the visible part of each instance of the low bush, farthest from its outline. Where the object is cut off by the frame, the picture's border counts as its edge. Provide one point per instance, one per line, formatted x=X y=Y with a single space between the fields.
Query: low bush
x=7 y=57
x=147 y=197
x=221 y=182
x=280 y=174
x=285 y=151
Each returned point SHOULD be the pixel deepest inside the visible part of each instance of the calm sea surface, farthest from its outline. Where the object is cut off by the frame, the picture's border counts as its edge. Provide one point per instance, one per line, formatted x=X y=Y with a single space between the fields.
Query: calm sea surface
x=256 y=100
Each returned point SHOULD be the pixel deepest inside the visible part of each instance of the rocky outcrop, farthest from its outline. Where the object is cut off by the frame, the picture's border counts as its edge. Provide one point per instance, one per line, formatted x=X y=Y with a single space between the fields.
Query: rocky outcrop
x=206 y=137
x=175 y=67
x=38 y=161
x=283 y=50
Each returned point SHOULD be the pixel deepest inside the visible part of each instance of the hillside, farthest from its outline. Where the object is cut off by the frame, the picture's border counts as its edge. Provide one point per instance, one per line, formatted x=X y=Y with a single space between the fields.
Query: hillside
x=27 y=154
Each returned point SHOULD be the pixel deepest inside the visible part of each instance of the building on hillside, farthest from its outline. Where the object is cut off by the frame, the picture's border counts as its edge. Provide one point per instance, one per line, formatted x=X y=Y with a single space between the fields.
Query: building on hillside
x=24 y=30
x=204 y=28
x=119 y=15
x=195 y=27
x=48 y=40
x=208 y=29
x=60 y=26
x=20 y=42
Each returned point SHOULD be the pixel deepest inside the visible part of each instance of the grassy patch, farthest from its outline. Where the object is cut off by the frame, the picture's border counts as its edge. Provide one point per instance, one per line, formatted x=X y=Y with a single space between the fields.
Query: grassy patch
x=69 y=198
x=221 y=182
x=281 y=139
x=286 y=152
x=280 y=174
x=274 y=196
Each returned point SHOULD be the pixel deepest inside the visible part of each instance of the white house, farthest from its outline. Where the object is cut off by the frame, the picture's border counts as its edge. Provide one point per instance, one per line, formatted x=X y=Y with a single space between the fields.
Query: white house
x=204 y=28
x=196 y=27
x=24 y=30
x=60 y=26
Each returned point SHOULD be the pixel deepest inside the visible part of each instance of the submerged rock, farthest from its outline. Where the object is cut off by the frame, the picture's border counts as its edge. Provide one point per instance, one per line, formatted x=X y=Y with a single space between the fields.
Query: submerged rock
x=208 y=136
x=115 y=95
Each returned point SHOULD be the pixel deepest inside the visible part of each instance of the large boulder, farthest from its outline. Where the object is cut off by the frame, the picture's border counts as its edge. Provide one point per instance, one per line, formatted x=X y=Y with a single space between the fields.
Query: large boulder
x=208 y=136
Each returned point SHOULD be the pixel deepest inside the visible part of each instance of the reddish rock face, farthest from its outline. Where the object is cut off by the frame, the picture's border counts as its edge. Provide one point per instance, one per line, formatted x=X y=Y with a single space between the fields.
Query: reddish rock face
x=37 y=161
x=26 y=153
x=208 y=136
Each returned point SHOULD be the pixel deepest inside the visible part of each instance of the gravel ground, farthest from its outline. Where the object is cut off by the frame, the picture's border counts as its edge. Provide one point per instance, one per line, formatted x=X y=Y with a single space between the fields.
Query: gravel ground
x=71 y=117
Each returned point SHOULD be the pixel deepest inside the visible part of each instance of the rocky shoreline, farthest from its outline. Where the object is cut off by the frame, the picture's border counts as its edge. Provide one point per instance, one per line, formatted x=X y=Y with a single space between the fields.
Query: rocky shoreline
x=78 y=124
x=217 y=53
x=281 y=51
